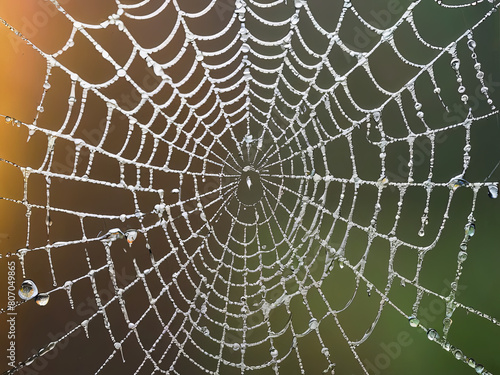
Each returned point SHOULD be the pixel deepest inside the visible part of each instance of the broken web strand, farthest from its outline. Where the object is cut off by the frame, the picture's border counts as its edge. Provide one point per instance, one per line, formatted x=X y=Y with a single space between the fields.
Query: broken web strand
x=355 y=179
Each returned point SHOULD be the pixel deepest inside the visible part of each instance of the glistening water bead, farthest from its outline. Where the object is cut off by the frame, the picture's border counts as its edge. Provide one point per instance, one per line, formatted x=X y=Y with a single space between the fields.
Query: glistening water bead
x=432 y=334
x=28 y=290
x=42 y=299
x=414 y=322
x=470 y=229
x=131 y=236
x=493 y=191
x=462 y=256
x=457 y=182
x=274 y=352
x=313 y=324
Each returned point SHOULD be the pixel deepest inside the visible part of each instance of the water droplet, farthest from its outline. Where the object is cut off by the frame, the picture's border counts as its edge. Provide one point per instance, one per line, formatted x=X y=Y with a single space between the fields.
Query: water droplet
x=71 y=100
x=414 y=322
x=117 y=346
x=432 y=334
x=46 y=85
x=447 y=322
x=42 y=299
x=123 y=217
x=462 y=256
x=203 y=308
x=471 y=44
x=205 y=331
x=471 y=362
x=121 y=72
x=114 y=234
x=421 y=232
x=8 y=119
x=479 y=368
x=376 y=116
x=131 y=236
x=493 y=191
x=325 y=352
x=458 y=354
x=28 y=290
x=457 y=182
x=274 y=352
x=131 y=325
x=175 y=191
x=236 y=346
x=470 y=229
x=313 y=324
x=455 y=63
x=67 y=286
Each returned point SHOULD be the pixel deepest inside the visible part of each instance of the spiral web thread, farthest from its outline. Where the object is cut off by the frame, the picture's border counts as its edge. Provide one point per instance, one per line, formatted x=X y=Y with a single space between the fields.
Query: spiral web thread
x=232 y=182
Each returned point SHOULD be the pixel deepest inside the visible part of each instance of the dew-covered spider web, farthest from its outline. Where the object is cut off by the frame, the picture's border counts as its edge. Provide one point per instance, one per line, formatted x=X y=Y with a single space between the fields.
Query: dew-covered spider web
x=251 y=187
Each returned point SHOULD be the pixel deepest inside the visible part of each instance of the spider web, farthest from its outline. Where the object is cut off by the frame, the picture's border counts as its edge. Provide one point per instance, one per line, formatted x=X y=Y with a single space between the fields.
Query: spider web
x=272 y=167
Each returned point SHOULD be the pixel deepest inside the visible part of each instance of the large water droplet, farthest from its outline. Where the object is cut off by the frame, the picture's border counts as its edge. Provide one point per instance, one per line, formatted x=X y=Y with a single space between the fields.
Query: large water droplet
x=470 y=229
x=42 y=299
x=28 y=290
x=274 y=352
x=114 y=234
x=313 y=324
x=131 y=236
x=457 y=182
x=493 y=191
x=414 y=322
x=432 y=334
x=458 y=354
x=236 y=346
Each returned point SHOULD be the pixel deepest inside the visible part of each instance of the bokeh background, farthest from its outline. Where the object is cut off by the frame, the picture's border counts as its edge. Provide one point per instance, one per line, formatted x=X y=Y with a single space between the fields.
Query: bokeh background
x=22 y=72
